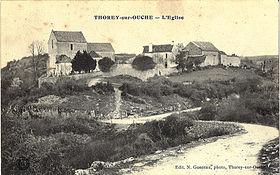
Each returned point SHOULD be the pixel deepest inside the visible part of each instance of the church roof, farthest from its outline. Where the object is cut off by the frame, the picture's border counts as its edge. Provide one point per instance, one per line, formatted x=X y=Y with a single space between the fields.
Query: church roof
x=100 y=47
x=69 y=36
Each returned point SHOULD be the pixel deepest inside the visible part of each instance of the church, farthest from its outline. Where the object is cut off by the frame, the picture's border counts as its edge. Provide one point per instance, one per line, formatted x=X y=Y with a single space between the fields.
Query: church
x=63 y=46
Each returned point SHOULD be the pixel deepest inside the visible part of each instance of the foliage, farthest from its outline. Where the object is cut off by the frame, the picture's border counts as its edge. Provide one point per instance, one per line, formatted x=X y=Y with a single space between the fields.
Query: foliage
x=58 y=145
x=105 y=64
x=208 y=112
x=103 y=88
x=64 y=86
x=83 y=62
x=255 y=104
x=143 y=63
x=181 y=59
x=22 y=70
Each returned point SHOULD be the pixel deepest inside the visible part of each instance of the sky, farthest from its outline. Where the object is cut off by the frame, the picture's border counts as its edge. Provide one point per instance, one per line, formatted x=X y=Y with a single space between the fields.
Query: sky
x=243 y=27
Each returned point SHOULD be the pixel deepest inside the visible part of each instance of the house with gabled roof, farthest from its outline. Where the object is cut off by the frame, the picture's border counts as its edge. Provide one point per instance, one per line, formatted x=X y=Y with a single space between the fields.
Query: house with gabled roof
x=206 y=53
x=102 y=49
x=202 y=53
x=63 y=65
x=68 y=43
x=161 y=54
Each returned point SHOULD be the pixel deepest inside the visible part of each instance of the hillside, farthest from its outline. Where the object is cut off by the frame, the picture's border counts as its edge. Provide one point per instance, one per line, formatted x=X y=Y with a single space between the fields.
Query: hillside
x=23 y=69
x=18 y=78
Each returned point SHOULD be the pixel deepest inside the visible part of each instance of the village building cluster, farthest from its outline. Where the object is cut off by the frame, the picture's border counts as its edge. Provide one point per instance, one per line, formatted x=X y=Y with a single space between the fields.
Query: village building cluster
x=63 y=46
x=200 y=53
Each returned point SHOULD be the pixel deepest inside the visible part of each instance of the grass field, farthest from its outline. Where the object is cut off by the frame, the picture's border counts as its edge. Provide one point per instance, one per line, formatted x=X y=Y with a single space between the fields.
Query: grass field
x=215 y=74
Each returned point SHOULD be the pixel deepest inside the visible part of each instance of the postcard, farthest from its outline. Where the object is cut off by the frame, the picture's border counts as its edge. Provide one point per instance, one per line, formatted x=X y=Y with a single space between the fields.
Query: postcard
x=139 y=87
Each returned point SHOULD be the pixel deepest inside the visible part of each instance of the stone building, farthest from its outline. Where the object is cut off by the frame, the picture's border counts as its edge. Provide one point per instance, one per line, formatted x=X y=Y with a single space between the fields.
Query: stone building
x=161 y=54
x=203 y=50
x=102 y=49
x=63 y=65
x=206 y=54
x=67 y=44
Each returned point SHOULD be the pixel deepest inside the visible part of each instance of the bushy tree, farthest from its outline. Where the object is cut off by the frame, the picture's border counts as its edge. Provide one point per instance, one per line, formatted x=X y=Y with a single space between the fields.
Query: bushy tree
x=105 y=64
x=83 y=62
x=181 y=60
x=143 y=63
x=90 y=62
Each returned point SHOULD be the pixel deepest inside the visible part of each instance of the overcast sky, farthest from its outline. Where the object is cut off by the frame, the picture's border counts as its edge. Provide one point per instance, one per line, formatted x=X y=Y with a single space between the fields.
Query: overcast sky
x=248 y=27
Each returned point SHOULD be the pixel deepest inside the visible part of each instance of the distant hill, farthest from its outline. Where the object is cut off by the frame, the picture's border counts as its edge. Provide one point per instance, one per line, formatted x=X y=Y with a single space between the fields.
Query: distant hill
x=23 y=70
x=260 y=57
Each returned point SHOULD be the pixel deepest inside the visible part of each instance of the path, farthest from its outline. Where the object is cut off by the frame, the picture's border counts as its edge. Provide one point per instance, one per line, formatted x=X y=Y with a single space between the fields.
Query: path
x=241 y=150
x=146 y=119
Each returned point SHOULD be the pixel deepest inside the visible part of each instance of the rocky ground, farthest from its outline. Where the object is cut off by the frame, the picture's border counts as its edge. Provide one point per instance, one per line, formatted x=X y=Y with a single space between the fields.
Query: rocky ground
x=269 y=158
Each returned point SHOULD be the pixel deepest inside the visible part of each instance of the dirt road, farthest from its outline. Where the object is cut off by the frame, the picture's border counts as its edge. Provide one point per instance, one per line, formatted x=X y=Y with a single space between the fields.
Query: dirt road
x=233 y=155
x=146 y=119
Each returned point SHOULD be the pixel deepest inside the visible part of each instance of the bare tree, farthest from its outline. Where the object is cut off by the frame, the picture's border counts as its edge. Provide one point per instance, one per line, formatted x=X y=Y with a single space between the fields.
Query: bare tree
x=36 y=49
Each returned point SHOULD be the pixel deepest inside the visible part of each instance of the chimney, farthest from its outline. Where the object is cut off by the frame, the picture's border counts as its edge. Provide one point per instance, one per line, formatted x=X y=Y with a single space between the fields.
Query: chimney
x=151 y=47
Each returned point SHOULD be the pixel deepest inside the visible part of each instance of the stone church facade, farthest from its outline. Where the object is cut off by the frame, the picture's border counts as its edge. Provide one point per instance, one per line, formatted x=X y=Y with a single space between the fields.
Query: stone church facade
x=68 y=43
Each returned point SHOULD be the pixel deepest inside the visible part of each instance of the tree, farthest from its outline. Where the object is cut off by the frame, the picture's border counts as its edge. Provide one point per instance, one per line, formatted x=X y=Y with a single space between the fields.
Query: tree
x=143 y=63
x=36 y=48
x=105 y=64
x=179 y=47
x=83 y=62
x=90 y=62
x=77 y=62
x=181 y=60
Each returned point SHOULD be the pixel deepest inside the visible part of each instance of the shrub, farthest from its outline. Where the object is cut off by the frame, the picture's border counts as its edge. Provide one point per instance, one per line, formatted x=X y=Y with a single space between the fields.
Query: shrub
x=208 y=112
x=103 y=87
x=175 y=125
x=64 y=86
x=143 y=63
x=144 y=143
x=105 y=64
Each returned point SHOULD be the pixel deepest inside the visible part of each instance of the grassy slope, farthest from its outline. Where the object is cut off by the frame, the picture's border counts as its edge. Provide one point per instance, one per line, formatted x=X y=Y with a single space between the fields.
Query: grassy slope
x=215 y=74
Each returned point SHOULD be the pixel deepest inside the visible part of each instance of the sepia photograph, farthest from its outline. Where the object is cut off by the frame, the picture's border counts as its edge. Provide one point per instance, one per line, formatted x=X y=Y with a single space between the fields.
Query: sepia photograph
x=140 y=87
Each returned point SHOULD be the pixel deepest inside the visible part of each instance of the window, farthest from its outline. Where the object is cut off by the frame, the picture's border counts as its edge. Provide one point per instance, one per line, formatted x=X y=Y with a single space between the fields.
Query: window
x=165 y=55
x=52 y=44
x=71 y=46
